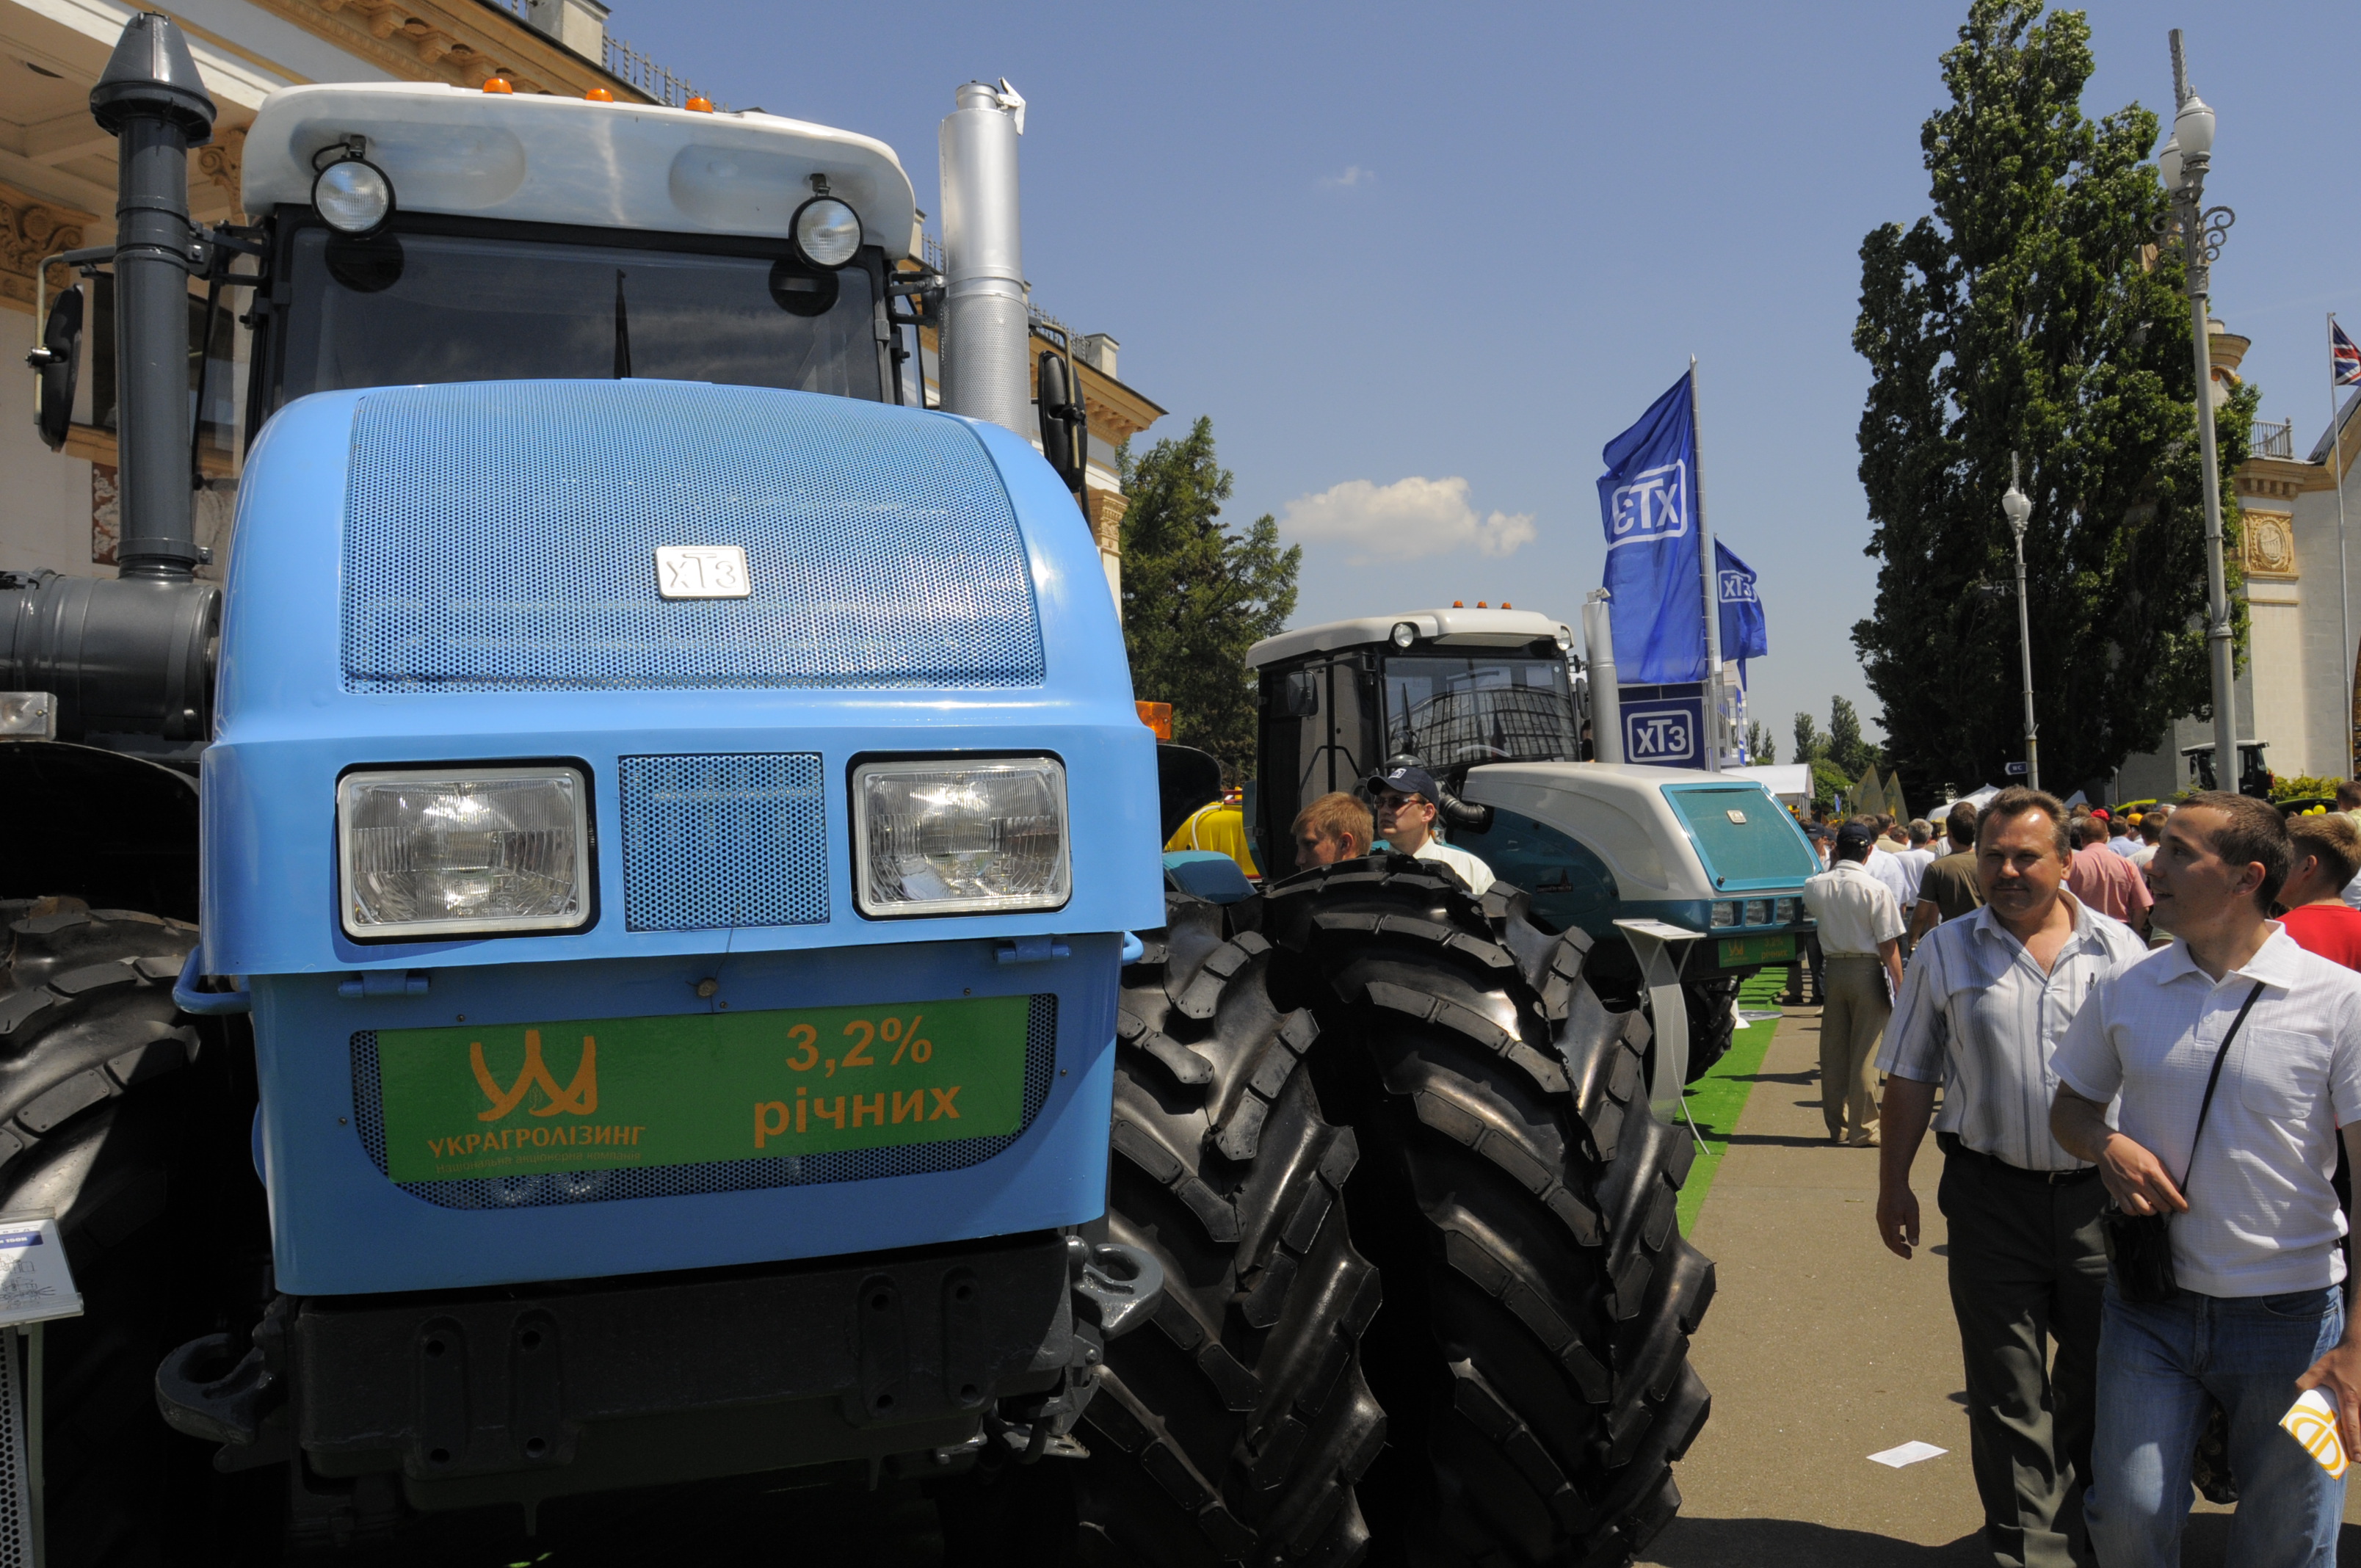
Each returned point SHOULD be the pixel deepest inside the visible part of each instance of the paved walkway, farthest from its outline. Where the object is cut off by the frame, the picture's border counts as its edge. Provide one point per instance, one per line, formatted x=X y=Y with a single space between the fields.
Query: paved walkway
x=1823 y=1348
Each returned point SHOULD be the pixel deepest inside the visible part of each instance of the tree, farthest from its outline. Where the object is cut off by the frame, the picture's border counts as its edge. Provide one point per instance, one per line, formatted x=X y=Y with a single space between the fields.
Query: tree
x=1845 y=749
x=1810 y=744
x=2032 y=312
x=1761 y=745
x=1197 y=595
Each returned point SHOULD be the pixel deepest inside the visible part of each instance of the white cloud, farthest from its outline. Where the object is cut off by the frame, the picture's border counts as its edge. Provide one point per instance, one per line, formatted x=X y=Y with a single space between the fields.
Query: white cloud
x=1354 y=175
x=1405 y=519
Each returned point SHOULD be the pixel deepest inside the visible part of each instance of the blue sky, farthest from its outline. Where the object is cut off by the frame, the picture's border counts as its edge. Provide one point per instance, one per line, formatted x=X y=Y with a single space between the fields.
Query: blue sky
x=1381 y=242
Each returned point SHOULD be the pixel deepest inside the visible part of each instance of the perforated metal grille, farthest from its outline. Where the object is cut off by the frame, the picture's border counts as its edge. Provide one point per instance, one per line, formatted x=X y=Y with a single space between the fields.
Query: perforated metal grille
x=16 y=1457
x=724 y=841
x=502 y=536
x=542 y=1189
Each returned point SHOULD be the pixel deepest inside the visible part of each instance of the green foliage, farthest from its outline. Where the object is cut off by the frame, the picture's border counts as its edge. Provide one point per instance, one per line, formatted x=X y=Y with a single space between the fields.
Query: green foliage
x=2027 y=314
x=1761 y=745
x=1811 y=745
x=2304 y=787
x=1197 y=595
x=1828 y=781
x=1845 y=749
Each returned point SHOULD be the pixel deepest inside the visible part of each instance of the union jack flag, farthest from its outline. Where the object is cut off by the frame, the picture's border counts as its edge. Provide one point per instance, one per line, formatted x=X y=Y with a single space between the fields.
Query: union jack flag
x=2343 y=357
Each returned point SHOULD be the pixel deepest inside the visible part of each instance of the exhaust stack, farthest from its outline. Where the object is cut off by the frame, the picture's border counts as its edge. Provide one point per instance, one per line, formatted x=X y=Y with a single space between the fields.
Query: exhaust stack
x=1606 y=700
x=151 y=98
x=986 y=327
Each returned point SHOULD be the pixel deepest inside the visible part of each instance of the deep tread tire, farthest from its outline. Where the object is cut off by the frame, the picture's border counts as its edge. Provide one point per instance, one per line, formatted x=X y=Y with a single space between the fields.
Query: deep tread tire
x=1233 y=1426
x=111 y=1113
x=1519 y=1196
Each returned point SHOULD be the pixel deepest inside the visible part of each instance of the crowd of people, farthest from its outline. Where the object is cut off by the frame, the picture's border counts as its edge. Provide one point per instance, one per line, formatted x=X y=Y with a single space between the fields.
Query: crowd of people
x=2139 y=1046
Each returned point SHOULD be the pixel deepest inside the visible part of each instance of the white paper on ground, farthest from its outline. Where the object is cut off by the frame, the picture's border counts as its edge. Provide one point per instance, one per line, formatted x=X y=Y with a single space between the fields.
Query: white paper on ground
x=1910 y=1452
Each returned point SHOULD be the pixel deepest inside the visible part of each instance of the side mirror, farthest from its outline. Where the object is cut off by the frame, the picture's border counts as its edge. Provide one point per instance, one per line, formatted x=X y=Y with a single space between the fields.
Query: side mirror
x=59 y=362
x=1295 y=695
x=1065 y=432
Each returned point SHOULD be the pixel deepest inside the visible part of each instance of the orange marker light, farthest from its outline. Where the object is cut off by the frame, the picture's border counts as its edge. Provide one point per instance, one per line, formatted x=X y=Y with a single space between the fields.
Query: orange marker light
x=1481 y=604
x=1506 y=605
x=700 y=104
x=497 y=84
x=599 y=95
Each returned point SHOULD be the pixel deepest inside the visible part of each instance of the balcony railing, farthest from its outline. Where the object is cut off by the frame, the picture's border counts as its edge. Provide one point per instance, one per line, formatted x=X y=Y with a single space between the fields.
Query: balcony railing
x=2267 y=440
x=625 y=64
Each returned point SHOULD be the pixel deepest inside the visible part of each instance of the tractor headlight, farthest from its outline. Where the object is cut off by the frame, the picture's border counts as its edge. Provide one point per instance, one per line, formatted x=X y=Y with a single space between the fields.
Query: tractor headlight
x=445 y=853
x=1758 y=912
x=827 y=232
x=353 y=196
x=1405 y=633
x=959 y=838
x=1790 y=910
x=1725 y=913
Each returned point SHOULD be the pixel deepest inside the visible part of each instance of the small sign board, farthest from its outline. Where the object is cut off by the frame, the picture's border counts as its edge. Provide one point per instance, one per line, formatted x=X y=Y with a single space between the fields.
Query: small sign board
x=2016 y=769
x=1665 y=732
x=36 y=1284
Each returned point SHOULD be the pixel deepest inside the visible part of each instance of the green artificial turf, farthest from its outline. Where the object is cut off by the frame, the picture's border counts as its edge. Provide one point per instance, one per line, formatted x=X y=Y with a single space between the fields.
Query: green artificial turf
x=1715 y=1100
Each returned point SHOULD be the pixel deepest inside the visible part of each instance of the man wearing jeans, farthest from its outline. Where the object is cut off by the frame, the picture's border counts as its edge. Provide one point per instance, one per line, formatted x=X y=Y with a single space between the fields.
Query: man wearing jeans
x=2260 y=1311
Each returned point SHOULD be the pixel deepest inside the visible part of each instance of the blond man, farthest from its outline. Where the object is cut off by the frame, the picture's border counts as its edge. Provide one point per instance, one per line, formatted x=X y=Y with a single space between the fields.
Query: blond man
x=1336 y=826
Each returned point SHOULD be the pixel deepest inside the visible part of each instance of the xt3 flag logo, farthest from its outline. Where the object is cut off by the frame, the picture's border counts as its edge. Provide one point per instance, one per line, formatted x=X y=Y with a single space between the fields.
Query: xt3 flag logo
x=1654 y=505
x=581 y=1097
x=1738 y=587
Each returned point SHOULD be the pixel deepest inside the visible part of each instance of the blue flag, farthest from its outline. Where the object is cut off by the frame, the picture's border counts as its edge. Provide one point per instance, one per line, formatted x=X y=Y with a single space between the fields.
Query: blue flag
x=1652 y=576
x=1743 y=634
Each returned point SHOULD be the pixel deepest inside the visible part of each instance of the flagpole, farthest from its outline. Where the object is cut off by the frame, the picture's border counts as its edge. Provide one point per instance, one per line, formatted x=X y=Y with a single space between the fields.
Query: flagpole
x=2343 y=593
x=1712 y=584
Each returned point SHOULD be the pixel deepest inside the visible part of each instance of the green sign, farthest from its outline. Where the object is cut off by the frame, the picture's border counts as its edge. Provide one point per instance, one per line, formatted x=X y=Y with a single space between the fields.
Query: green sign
x=608 y=1094
x=1738 y=951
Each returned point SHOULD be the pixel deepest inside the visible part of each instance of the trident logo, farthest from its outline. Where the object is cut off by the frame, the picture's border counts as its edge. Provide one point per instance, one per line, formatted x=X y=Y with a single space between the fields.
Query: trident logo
x=581 y=1097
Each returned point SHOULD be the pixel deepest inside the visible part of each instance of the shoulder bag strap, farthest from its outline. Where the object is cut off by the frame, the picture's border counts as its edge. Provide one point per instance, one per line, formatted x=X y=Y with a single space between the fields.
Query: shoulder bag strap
x=2213 y=1081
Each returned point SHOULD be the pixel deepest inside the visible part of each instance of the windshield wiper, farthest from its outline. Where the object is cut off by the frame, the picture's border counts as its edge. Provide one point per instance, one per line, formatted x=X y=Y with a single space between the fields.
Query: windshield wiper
x=622 y=331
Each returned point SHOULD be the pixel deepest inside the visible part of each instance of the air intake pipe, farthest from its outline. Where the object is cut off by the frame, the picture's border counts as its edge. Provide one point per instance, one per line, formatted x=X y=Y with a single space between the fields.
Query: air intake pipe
x=133 y=655
x=1606 y=698
x=987 y=332
x=154 y=102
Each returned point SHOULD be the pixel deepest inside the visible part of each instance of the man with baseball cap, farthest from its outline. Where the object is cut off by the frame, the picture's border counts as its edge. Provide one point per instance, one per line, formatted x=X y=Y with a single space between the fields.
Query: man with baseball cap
x=1407 y=800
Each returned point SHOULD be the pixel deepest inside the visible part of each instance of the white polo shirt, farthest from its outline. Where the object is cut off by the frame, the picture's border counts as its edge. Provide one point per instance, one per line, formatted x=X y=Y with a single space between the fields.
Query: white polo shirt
x=1855 y=911
x=1472 y=869
x=2262 y=1217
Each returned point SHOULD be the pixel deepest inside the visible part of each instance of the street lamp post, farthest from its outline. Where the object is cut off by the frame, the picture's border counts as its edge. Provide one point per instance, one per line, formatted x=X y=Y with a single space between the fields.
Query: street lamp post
x=2201 y=233
x=2020 y=511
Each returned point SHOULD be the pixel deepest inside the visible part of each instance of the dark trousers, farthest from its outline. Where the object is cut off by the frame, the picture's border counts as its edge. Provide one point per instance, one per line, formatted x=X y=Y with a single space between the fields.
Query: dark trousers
x=2027 y=1267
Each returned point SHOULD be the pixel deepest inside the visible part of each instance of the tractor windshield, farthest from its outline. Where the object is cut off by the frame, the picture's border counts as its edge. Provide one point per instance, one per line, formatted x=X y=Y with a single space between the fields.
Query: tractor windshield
x=1495 y=709
x=402 y=308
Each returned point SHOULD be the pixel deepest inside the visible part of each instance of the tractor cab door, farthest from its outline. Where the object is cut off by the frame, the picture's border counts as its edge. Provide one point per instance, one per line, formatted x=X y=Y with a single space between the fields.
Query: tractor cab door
x=1318 y=729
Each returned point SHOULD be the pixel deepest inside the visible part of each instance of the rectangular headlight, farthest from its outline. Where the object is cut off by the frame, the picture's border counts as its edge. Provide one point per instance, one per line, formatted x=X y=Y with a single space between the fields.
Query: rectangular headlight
x=1758 y=912
x=1725 y=913
x=959 y=838
x=446 y=853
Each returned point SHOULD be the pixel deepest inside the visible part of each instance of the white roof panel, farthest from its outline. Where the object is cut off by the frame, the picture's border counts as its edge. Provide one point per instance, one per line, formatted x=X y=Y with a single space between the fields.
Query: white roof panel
x=1462 y=627
x=535 y=158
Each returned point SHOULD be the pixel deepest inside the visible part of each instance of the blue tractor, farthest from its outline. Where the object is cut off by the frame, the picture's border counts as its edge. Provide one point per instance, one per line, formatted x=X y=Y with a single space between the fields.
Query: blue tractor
x=624 y=947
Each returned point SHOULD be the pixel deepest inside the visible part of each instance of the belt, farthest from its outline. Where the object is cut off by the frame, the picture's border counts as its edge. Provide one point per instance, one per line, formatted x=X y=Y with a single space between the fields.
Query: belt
x=1865 y=958
x=1950 y=1145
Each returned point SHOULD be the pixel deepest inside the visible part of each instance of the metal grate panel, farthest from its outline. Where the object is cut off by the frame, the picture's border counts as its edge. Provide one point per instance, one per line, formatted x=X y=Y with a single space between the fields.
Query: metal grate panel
x=719 y=1175
x=724 y=841
x=17 y=1346
x=502 y=536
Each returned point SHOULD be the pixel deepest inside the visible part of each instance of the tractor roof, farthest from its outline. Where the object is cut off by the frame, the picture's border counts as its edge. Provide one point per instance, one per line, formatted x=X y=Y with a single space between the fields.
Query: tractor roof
x=529 y=158
x=1448 y=628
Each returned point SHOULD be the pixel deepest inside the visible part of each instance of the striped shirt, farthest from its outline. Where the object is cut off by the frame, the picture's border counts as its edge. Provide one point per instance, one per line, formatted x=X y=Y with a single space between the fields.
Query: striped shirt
x=2263 y=1218
x=1978 y=1015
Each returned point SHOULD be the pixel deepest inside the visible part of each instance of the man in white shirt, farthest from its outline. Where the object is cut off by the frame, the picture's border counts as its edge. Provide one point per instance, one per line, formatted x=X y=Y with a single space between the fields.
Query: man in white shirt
x=1885 y=864
x=2233 y=1005
x=1861 y=949
x=1407 y=800
x=1987 y=998
x=1915 y=859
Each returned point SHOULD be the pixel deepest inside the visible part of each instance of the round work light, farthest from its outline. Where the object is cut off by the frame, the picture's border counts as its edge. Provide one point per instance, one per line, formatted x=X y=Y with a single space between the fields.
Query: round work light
x=827 y=232
x=1405 y=633
x=354 y=196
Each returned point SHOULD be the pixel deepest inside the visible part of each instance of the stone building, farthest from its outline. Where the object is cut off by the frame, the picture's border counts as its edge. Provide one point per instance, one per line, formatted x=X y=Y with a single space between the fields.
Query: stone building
x=57 y=194
x=2303 y=591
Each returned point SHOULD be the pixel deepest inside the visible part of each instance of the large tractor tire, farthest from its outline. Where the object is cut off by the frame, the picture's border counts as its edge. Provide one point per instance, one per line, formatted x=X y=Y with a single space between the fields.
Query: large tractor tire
x=112 y=1115
x=1712 y=1023
x=1233 y=1425
x=1518 y=1197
